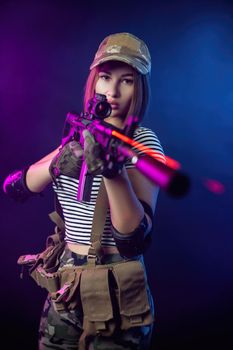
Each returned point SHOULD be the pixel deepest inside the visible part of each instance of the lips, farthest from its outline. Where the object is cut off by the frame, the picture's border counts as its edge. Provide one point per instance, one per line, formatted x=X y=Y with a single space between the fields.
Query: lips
x=113 y=104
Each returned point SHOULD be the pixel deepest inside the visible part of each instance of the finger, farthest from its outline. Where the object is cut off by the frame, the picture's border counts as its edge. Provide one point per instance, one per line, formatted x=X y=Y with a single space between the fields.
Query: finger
x=88 y=138
x=76 y=149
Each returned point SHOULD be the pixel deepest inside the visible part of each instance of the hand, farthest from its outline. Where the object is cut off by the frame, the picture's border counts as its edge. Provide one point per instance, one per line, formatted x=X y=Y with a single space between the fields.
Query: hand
x=68 y=161
x=93 y=154
x=98 y=160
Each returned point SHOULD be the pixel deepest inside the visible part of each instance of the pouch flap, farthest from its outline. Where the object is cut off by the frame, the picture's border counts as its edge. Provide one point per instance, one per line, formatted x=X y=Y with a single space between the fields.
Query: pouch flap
x=51 y=260
x=95 y=295
x=71 y=279
x=133 y=298
x=49 y=281
x=28 y=259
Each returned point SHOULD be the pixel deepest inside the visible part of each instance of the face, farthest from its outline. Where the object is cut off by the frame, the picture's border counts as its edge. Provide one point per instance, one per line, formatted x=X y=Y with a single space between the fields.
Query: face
x=116 y=81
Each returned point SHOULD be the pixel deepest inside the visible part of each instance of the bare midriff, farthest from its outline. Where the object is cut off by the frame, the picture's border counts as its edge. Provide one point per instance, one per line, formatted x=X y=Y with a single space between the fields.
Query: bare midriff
x=82 y=249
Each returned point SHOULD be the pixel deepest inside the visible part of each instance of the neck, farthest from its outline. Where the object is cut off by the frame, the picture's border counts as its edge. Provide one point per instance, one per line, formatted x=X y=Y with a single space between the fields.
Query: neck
x=119 y=123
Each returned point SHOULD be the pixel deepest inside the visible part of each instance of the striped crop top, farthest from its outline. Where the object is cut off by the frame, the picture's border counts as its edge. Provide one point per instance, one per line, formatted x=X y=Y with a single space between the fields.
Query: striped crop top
x=78 y=215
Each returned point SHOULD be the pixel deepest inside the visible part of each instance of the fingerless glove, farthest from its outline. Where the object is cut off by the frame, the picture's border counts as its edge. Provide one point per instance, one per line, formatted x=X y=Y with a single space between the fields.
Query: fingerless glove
x=68 y=161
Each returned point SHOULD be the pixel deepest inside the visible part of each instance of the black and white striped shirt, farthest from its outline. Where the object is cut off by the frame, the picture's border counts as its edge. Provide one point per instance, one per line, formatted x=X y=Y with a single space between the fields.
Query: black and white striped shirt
x=78 y=215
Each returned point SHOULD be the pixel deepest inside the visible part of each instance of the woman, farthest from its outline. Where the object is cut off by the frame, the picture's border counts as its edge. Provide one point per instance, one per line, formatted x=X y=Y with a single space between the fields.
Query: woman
x=120 y=71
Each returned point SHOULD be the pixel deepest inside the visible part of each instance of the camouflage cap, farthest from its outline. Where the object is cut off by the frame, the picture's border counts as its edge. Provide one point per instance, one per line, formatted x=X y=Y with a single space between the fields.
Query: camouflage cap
x=124 y=47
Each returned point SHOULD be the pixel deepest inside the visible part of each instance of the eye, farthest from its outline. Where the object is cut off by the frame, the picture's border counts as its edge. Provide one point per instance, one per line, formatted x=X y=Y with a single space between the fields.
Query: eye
x=127 y=81
x=104 y=76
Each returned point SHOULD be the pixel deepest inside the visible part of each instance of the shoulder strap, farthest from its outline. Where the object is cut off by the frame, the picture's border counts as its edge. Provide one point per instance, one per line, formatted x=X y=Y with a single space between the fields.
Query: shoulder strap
x=58 y=236
x=98 y=224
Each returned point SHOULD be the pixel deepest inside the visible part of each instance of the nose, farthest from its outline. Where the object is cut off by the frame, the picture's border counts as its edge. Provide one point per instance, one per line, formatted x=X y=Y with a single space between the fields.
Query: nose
x=113 y=91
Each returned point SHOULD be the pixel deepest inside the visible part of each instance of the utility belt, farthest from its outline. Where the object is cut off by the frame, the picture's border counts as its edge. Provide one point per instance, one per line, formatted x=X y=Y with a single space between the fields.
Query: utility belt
x=111 y=295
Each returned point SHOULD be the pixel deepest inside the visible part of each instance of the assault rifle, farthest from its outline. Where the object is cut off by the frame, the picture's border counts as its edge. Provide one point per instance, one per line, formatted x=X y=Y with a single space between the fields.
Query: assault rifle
x=118 y=145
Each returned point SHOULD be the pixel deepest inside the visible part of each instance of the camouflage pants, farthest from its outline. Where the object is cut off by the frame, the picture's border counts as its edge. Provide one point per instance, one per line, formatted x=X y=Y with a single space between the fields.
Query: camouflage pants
x=64 y=331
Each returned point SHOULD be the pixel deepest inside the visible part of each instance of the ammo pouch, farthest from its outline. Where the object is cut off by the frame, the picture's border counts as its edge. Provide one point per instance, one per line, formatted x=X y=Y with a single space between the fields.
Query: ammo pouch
x=105 y=293
x=50 y=257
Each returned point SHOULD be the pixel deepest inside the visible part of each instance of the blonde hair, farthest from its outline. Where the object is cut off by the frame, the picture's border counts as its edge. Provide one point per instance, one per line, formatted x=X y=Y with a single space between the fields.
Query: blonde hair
x=141 y=95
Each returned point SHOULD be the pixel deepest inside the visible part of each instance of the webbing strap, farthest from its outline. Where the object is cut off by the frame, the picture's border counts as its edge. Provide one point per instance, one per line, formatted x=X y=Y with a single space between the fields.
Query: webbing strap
x=98 y=224
x=56 y=218
x=58 y=236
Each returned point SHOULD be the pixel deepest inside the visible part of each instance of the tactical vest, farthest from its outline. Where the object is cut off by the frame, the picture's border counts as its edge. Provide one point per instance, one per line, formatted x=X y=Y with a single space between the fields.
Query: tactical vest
x=90 y=286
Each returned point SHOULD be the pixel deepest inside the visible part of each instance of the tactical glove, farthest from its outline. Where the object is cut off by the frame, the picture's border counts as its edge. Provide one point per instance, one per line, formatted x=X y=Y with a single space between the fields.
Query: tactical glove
x=98 y=160
x=68 y=161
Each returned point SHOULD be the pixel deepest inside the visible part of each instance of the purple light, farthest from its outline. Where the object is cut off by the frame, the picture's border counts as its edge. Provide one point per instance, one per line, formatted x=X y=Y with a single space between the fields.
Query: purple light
x=214 y=186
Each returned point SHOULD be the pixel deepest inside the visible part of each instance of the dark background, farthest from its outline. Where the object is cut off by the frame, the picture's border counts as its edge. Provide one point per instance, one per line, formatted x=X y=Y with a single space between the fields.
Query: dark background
x=46 y=48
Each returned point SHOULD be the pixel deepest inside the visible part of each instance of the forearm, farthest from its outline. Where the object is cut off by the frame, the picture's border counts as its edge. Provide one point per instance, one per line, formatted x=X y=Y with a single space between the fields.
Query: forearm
x=126 y=210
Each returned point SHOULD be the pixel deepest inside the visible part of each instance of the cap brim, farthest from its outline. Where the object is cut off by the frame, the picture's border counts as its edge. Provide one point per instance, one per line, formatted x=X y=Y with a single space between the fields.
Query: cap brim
x=134 y=62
